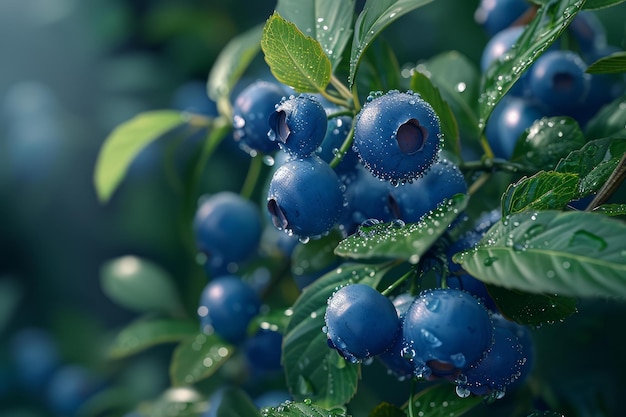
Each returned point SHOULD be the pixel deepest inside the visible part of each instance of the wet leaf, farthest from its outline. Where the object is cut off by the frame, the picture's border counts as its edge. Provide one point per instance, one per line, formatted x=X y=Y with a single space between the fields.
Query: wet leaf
x=387 y=410
x=547 y=141
x=577 y=254
x=611 y=209
x=197 y=358
x=399 y=241
x=376 y=16
x=543 y=191
x=441 y=400
x=421 y=84
x=609 y=120
x=327 y=21
x=303 y=409
x=295 y=59
x=611 y=64
x=232 y=402
x=145 y=333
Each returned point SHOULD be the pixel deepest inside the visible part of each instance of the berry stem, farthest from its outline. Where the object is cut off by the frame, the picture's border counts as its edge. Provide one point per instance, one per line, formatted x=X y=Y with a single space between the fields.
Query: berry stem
x=335 y=100
x=397 y=283
x=411 y=404
x=254 y=169
x=345 y=146
x=341 y=88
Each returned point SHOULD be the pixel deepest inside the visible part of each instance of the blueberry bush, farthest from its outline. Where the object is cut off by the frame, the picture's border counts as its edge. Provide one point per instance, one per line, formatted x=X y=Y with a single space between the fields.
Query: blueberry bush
x=433 y=239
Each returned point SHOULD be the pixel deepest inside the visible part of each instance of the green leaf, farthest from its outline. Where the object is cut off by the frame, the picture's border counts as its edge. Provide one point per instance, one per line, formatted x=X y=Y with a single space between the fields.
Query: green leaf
x=547 y=141
x=593 y=163
x=397 y=241
x=421 y=84
x=295 y=59
x=532 y=309
x=611 y=64
x=458 y=80
x=376 y=16
x=145 y=333
x=379 y=69
x=387 y=410
x=609 y=120
x=125 y=142
x=198 y=358
x=600 y=4
x=232 y=402
x=543 y=191
x=545 y=414
x=304 y=409
x=578 y=254
x=140 y=285
x=550 y=22
x=312 y=369
x=611 y=209
x=176 y=402
x=316 y=256
x=327 y=21
x=232 y=62
x=441 y=400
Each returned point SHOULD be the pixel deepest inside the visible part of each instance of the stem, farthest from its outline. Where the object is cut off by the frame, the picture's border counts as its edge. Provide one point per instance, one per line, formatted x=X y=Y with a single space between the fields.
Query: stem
x=340 y=87
x=411 y=403
x=340 y=113
x=345 y=146
x=611 y=185
x=355 y=99
x=397 y=283
x=254 y=169
x=490 y=164
x=484 y=143
x=335 y=100
x=480 y=181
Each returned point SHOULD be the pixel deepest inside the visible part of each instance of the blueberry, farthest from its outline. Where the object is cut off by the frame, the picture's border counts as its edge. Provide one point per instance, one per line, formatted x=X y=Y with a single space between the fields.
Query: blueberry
x=397 y=136
x=366 y=198
x=227 y=229
x=251 y=110
x=35 y=358
x=508 y=120
x=360 y=322
x=499 y=45
x=496 y=15
x=588 y=31
x=263 y=350
x=409 y=202
x=70 y=388
x=505 y=362
x=298 y=125
x=305 y=197
x=394 y=359
x=446 y=331
x=558 y=82
x=227 y=304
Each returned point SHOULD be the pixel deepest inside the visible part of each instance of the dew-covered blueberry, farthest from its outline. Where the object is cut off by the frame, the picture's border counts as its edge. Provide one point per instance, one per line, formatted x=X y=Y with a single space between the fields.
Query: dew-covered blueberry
x=360 y=322
x=397 y=135
x=394 y=359
x=298 y=125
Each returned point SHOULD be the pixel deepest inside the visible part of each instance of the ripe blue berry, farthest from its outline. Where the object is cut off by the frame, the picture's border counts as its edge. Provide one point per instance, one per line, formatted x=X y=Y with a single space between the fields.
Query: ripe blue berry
x=251 y=110
x=70 y=387
x=505 y=362
x=397 y=136
x=305 y=197
x=446 y=331
x=558 y=82
x=511 y=116
x=499 y=45
x=298 y=125
x=588 y=31
x=227 y=304
x=496 y=15
x=227 y=229
x=263 y=350
x=409 y=202
x=360 y=322
x=35 y=357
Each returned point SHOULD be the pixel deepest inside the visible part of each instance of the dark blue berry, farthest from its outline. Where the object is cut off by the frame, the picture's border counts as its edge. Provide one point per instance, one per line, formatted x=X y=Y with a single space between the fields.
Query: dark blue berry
x=409 y=202
x=511 y=116
x=397 y=136
x=263 y=350
x=305 y=197
x=251 y=110
x=70 y=388
x=496 y=15
x=298 y=125
x=588 y=31
x=446 y=331
x=360 y=322
x=394 y=359
x=227 y=229
x=227 y=304
x=35 y=357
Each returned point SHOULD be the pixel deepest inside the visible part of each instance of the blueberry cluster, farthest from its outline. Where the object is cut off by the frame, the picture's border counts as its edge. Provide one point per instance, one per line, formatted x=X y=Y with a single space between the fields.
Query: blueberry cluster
x=442 y=333
x=556 y=84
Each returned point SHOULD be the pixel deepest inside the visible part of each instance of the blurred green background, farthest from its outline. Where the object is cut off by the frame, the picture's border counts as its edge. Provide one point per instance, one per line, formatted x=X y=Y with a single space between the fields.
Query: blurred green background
x=71 y=71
